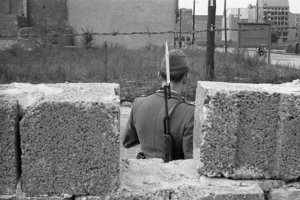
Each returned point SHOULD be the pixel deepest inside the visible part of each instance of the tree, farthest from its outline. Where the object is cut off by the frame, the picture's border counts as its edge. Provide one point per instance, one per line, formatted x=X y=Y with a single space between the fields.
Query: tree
x=274 y=37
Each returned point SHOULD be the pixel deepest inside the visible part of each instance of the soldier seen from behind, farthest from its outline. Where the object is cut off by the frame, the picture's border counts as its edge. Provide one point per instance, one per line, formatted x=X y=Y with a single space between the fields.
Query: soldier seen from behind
x=146 y=122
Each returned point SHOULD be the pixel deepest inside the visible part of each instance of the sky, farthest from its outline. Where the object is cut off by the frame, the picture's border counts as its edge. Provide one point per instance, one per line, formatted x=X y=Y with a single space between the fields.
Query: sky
x=201 y=5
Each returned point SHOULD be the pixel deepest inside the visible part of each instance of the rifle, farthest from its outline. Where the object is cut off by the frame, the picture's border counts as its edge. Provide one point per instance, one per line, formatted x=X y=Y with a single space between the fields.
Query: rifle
x=167 y=95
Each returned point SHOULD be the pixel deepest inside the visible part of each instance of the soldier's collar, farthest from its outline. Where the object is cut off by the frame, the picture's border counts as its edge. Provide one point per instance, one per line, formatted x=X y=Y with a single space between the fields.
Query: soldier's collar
x=173 y=93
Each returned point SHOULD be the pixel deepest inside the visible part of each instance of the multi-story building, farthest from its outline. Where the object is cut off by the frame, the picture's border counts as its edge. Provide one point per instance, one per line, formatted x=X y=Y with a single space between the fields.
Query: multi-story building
x=294 y=33
x=277 y=13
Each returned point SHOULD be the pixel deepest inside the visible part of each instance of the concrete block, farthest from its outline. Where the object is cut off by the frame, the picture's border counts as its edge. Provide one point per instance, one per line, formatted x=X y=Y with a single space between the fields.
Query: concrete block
x=267 y=185
x=90 y=198
x=286 y=193
x=45 y=198
x=8 y=197
x=248 y=131
x=70 y=141
x=8 y=128
x=153 y=179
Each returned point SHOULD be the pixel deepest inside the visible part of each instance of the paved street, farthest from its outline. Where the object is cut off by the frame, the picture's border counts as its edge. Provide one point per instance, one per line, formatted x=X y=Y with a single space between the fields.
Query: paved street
x=277 y=57
x=286 y=59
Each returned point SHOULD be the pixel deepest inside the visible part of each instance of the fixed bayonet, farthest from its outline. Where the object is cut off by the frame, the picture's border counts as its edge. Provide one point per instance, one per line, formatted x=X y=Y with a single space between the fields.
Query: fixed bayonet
x=167 y=95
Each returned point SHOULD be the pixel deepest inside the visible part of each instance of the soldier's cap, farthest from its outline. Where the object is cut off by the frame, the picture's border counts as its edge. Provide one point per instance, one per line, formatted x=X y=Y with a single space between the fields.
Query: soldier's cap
x=178 y=62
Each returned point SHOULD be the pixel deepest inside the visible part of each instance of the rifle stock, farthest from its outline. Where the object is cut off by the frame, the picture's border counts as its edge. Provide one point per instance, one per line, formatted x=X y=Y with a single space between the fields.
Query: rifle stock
x=168 y=150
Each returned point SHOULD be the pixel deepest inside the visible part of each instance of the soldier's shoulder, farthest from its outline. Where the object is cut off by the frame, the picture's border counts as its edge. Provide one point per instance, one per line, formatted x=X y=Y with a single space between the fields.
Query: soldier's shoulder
x=187 y=102
x=142 y=97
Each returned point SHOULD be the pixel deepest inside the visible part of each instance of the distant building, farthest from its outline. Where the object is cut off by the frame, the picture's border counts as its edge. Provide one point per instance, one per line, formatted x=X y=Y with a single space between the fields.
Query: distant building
x=186 y=25
x=235 y=16
x=294 y=34
x=277 y=13
x=201 y=24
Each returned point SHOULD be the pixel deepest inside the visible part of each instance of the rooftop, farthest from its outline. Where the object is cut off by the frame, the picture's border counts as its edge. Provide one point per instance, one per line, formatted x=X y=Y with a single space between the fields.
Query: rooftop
x=273 y=3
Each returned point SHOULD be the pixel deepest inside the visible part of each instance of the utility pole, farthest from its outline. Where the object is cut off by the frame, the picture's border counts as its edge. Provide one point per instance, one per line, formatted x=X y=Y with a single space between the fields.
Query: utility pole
x=225 y=26
x=257 y=11
x=194 y=13
x=180 y=28
x=106 y=61
x=210 y=49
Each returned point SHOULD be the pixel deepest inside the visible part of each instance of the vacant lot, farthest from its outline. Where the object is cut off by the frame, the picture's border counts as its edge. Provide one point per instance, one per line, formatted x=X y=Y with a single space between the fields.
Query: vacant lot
x=134 y=70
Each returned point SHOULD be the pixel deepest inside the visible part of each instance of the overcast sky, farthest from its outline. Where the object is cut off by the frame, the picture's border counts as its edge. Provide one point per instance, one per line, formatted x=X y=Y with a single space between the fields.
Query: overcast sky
x=201 y=5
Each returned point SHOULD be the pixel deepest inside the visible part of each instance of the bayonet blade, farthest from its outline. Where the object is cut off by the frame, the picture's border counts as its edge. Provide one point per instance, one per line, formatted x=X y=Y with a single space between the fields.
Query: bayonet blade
x=167 y=64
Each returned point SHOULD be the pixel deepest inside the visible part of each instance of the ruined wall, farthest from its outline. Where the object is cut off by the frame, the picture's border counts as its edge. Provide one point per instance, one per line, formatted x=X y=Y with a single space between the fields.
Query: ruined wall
x=107 y=16
x=62 y=140
x=47 y=13
x=9 y=9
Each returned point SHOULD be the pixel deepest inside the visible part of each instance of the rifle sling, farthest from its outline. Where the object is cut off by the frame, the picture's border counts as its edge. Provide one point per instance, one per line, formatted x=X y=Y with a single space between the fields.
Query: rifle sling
x=171 y=111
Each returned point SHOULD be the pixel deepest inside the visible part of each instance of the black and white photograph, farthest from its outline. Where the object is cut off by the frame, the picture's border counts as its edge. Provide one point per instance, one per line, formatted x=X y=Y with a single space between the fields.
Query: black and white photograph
x=149 y=99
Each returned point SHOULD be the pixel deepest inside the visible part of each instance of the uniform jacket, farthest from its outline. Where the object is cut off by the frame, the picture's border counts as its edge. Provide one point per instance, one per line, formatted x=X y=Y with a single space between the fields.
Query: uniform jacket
x=145 y=126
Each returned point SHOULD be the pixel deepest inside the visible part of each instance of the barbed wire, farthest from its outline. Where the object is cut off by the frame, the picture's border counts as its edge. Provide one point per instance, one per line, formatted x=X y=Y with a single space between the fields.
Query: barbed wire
x=116 y=33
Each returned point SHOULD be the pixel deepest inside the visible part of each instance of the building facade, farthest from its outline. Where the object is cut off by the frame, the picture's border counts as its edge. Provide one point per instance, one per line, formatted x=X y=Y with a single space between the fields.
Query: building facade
x=185 y=24
x=235 y=16
x=107 y=16
x=277 y=13
x=9 y=10
x=294 y=33
x=97 y=16
x=201 y=24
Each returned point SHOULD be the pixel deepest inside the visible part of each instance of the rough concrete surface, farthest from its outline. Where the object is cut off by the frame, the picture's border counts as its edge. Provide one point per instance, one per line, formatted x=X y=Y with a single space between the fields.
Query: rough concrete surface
x=153 y=179
x=29 y=95
x=285 y=193
x=8 y=122
x=69 y=137
x=248 y=131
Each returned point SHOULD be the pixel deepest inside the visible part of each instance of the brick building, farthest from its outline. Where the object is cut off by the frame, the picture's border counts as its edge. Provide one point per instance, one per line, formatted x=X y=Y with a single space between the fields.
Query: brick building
x=235 y=16
x=200 y=25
